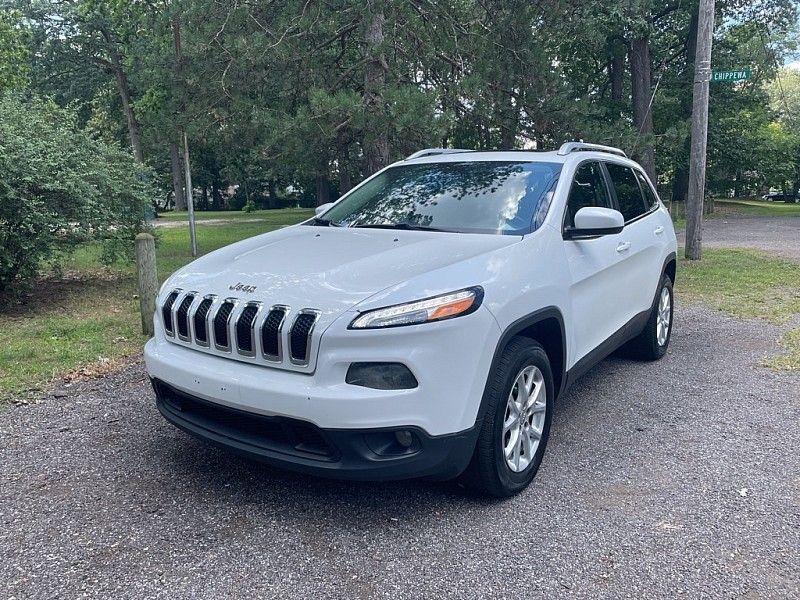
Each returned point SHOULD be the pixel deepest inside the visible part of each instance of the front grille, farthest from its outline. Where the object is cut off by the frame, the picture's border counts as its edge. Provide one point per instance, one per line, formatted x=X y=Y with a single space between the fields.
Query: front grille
x=207 y=323
x=182 y=316
x=299 y=336
x=166 y=312
x=277 y=434
x=271 y=333
x=201 y=321
x=244 y=329
x=221 y=339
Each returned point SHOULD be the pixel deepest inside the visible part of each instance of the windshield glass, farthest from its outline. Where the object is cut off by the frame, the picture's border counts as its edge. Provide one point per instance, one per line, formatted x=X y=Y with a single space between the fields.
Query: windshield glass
x=472 y=197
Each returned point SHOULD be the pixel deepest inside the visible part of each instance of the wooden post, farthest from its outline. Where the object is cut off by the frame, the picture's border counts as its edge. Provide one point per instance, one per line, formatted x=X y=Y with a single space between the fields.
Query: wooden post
x=697 y=160
x=148 y=280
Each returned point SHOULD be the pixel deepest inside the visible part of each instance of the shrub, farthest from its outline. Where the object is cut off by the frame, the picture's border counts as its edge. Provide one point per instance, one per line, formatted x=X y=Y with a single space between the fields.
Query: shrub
x=59 y=188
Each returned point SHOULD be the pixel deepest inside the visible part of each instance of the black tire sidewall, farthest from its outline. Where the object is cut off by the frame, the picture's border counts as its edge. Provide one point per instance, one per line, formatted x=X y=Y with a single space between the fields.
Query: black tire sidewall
x=661 y=350
x=529 y=354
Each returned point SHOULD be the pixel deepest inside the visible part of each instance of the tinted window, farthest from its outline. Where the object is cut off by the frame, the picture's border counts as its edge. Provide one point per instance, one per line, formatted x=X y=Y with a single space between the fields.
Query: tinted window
x=650 y=198
x=588 y=189
x=476 y=197
x=629 y=196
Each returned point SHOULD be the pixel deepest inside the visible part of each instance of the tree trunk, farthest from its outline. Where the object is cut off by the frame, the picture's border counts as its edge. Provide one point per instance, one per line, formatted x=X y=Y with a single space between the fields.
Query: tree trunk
x=697 y=159
x=509 y=119
x=177 y=176
x=343 y=158
x=680 y=180
x=640 y=96
x=616 y=71
x=323 y=190
x=273 y=194
x=376 y=133
x=124 y=89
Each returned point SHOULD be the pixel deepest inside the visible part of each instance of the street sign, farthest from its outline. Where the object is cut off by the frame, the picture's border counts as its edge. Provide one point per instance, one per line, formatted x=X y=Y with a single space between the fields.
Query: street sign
x=730 y=76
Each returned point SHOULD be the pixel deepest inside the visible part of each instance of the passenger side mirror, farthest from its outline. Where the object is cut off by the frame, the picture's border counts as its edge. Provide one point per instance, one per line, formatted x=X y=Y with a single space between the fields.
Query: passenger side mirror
x=592 y=221
x=322 y=208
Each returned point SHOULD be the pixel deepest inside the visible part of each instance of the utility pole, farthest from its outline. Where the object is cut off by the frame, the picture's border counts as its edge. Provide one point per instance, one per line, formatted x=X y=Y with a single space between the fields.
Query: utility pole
x=189 y=197
x=697 y=159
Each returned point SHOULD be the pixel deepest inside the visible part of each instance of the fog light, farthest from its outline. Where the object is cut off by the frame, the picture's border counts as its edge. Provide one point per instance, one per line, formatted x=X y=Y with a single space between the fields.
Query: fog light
x=381 y=376
x=404 y=438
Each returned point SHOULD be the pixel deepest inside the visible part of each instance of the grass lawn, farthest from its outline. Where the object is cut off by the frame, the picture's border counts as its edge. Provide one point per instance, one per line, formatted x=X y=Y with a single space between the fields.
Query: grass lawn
x=759 y=208
x=233 y=215
x=747 y=284
x=87 y=319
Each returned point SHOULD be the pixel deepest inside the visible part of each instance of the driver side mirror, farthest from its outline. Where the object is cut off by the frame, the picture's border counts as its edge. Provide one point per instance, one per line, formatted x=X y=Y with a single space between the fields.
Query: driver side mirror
x=593 y=221
x=322 y=208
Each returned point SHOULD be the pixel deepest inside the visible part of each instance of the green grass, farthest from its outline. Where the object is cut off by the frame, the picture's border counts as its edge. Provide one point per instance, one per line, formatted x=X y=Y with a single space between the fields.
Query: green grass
x=743 y=283
x=88 y=318
x=747 y=284
x=231 y=215
x=759 y=208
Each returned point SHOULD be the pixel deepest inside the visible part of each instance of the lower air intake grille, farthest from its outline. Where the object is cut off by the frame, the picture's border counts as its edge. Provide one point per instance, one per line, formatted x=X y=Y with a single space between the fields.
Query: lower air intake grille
x=166 y=312
x=271 y=333
x=300 y=335
x=183 y=316
x=244 y=329
x=221 y=325
x=200 y=322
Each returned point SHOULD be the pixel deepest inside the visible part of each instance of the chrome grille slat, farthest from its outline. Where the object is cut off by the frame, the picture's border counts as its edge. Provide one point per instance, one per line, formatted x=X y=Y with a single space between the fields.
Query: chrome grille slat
x=246 y=327
x=200 y=320
x=272 y=332
x=166 y=312
x=222 y=318
x=182 y=326
x=300 y=336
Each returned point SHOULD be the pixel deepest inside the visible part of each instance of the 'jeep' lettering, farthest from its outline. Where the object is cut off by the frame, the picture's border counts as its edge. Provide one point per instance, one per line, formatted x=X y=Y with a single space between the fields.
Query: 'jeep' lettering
x=240 y=287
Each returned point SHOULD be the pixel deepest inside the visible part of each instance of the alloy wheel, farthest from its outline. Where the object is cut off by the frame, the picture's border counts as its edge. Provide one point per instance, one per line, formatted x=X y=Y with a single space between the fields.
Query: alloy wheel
x=524 y=418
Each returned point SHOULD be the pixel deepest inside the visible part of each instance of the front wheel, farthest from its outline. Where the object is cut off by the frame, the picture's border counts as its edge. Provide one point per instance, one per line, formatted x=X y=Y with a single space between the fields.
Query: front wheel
x=516 y=425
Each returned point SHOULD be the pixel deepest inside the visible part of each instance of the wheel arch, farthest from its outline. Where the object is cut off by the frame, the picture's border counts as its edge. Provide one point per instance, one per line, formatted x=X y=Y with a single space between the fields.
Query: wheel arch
x=670 y=266
x=546 y=326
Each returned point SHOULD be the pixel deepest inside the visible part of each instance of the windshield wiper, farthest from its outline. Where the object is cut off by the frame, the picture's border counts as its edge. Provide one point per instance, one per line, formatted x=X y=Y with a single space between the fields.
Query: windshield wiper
x=325 y=222
x=403 y=226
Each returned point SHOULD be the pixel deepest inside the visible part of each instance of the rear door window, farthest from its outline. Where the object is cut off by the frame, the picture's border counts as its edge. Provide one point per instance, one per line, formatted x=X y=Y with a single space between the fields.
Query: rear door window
x=650 y=198
x=629 y=195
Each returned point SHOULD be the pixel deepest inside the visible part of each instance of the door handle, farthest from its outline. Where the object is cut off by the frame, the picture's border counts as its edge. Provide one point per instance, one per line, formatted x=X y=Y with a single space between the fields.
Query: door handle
x=623 y=246
x=658 y=230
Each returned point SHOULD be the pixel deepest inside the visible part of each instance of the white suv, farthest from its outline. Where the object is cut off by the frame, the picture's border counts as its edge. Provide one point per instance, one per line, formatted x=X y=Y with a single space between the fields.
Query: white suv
x=425 y=323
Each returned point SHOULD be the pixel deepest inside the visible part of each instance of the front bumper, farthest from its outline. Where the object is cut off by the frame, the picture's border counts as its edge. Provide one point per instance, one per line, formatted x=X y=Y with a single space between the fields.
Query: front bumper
x=364 y=454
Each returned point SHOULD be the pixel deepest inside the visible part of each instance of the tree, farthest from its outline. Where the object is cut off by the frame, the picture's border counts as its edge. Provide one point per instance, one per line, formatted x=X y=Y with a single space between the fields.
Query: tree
x=60 y=188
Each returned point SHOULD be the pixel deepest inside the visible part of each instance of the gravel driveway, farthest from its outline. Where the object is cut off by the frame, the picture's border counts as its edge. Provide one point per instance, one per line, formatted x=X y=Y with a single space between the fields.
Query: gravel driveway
x=660 y=479
x=777 y=235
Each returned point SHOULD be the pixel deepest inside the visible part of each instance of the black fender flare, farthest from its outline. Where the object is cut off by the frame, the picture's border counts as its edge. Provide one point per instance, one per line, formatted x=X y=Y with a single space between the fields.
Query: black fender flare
x=549 y=312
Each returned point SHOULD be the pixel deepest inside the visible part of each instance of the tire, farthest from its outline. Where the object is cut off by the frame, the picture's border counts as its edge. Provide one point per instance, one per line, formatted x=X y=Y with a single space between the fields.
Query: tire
x=490 y=472
x=651 y=343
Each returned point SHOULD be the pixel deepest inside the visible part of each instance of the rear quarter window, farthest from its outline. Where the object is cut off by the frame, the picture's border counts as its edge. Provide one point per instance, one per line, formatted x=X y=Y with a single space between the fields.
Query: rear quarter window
x=650 y=198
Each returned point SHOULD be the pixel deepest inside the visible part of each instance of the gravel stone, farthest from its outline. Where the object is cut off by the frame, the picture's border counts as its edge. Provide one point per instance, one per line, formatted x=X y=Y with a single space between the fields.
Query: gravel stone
x=680 y=477
x=776 y=235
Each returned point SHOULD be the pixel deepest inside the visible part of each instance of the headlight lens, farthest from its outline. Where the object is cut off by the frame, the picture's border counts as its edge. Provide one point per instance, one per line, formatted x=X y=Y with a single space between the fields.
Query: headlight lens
x=438 y=308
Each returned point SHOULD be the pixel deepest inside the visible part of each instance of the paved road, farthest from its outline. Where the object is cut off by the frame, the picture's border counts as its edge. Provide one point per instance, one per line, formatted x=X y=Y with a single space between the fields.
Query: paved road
x=660 y=479
x=777 y=235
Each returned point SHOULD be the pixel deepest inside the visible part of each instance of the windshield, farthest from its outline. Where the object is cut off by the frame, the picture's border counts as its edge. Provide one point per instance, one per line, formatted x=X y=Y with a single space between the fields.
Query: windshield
x=472 y=197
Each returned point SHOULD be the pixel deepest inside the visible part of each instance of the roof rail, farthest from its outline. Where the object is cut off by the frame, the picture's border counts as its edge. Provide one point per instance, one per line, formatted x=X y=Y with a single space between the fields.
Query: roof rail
x=434 y=152
x=570 y=147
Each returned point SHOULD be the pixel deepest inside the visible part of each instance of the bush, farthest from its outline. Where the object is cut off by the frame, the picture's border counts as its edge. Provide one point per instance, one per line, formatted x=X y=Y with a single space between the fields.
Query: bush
x=59 y=188
x=249 y=206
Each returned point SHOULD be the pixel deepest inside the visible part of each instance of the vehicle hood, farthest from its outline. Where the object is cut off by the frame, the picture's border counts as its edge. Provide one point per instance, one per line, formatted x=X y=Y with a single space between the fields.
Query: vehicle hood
x=330 y=269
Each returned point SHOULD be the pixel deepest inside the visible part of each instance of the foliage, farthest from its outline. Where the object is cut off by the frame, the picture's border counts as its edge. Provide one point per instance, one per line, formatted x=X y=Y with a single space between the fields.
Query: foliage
x=60 y=188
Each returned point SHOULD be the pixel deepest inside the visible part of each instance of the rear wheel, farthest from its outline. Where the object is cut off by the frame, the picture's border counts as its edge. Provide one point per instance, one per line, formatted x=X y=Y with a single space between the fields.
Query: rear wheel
x=516 y=425
x=652 y=342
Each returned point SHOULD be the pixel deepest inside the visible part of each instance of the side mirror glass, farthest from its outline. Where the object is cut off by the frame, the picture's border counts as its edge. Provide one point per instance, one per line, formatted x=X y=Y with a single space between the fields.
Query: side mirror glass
x=322 y=208
x=592 y=221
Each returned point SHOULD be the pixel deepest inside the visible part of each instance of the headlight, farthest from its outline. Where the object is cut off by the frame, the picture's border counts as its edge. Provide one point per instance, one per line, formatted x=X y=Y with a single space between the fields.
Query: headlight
x=438 y=308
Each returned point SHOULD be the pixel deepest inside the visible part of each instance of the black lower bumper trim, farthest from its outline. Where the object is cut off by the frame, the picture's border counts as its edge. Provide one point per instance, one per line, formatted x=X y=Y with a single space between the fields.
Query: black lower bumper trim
x=363 y=454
